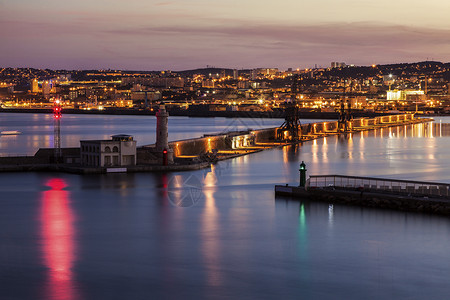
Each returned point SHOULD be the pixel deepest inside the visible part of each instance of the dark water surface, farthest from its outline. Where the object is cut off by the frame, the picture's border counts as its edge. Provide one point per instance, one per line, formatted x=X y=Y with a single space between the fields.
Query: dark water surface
x=221 y=233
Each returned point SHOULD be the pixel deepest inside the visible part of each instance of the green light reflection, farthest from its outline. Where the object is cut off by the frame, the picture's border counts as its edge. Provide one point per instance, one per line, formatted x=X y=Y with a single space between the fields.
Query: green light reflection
x=303 y=244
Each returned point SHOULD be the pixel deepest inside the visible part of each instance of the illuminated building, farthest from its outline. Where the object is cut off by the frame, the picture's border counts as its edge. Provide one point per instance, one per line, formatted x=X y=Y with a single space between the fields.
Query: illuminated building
x=34 y=86
x=336 y=64
x=253 y=74
x=268 y=71
x=208 y=83
x=397 y=95
x=47 y=88
x=73 y=93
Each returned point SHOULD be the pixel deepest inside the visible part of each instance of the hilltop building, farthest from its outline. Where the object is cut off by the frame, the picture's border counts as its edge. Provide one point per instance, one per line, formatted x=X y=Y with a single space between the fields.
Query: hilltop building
x=336 y=64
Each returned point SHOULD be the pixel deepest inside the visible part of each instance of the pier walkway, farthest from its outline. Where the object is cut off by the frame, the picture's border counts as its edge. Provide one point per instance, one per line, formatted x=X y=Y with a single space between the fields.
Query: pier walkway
x=380 y=185
x=405 y=195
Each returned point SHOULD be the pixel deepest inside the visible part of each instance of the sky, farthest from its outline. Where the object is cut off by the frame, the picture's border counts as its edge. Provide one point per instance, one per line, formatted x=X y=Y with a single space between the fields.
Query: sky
x=188 y=34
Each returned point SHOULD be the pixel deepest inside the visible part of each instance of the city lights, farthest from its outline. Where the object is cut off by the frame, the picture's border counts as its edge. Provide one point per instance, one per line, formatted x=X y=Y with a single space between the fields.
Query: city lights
x=382 y=88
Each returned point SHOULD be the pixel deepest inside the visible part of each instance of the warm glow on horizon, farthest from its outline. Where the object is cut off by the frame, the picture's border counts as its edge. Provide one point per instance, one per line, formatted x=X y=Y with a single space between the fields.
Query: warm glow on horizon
x=146 y=35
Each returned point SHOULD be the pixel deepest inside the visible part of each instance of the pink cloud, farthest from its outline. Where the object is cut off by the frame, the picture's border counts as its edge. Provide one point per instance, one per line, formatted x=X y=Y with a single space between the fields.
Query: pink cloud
x=153 y=45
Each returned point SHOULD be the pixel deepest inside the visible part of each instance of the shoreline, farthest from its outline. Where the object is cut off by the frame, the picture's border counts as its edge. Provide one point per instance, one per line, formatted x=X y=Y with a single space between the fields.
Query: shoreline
x=208 y=114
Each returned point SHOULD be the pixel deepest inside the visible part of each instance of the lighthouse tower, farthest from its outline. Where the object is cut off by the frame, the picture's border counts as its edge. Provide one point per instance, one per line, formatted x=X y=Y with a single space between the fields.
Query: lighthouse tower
x=165 y=154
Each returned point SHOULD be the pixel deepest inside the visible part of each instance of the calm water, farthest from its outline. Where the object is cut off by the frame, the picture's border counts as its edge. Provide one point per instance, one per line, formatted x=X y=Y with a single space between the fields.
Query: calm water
x=120 y=236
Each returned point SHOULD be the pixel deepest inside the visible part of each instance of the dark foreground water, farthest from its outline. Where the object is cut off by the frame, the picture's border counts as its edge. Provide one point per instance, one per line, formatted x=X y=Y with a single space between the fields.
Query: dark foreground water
x=220 y=233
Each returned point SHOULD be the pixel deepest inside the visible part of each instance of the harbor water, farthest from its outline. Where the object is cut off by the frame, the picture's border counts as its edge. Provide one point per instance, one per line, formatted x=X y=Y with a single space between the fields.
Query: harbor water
x=219 y=233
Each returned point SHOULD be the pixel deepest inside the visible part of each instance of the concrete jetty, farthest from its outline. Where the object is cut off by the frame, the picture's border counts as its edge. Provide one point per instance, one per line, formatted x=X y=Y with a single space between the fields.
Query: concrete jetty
x=405 y=195
x=197 y=153
x=256 y=140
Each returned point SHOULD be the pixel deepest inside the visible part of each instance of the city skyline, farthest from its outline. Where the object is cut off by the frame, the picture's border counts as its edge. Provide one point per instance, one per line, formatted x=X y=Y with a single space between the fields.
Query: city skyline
x=158 y=35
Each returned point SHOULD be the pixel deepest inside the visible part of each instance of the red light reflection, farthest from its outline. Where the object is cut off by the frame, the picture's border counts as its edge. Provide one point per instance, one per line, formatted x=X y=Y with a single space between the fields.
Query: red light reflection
x=58 y=240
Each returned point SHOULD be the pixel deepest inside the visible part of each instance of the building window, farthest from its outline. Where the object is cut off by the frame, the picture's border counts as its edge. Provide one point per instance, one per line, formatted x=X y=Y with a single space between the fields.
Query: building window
x=107 y=149
x=115 y=149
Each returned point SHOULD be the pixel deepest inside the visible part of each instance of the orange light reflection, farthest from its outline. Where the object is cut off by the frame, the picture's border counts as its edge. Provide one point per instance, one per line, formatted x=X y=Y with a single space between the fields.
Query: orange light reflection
x=211 y=247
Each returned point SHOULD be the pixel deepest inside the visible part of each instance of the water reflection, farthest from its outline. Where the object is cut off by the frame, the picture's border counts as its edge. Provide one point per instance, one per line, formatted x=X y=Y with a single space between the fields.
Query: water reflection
x=210 y=231
x=315 y=151
x=58 y=240
x=303 y=244
x=345 y=142
x=162 y=184
x=291 y=152
x=302 y=224
x=330 y=215
x=123 y=183
x=325 y=150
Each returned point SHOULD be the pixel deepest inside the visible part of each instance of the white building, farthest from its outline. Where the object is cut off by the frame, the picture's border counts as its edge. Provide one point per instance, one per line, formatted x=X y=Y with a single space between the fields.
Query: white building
x=397 y=95
x=118 y=152
x=336 y=64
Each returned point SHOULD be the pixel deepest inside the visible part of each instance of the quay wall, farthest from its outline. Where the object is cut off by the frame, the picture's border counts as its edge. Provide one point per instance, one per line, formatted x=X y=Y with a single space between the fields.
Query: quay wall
x=23 y=160
x=379 y=200
x=196 y=146
x=265 y=135
x=368 y=199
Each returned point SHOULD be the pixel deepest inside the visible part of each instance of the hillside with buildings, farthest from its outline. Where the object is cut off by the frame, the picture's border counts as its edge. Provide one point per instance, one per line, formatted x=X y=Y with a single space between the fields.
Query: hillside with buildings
x=422 y=86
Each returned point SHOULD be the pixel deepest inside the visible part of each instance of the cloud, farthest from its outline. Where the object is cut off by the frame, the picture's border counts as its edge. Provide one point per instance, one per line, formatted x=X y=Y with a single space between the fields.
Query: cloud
x=164 y=3
x=220 y=42
x=339 y=39
x=338 y=33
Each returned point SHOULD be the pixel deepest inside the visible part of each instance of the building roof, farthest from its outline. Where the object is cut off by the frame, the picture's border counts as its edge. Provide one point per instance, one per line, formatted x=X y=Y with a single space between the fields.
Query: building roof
x=122 y=137
x=114 y=138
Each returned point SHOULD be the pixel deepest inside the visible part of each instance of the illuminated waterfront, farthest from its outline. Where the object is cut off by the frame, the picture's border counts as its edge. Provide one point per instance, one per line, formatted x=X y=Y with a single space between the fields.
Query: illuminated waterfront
x=37 y=129
x=120 y=236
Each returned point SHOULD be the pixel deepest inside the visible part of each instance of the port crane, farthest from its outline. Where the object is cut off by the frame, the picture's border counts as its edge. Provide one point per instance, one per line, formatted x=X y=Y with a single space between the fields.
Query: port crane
x=291 y=128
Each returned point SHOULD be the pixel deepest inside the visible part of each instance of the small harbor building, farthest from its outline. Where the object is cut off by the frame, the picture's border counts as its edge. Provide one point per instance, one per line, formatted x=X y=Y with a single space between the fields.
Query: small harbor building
x=118 y=152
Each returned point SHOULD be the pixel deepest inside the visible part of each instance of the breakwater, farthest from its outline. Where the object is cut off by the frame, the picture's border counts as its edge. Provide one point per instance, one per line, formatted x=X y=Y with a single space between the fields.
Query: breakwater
x=199 y=152
x=254 y=140
x=404 y=195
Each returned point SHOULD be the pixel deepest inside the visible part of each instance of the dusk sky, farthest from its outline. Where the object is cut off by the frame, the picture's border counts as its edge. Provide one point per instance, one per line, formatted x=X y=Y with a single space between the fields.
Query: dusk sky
x=178 y=35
